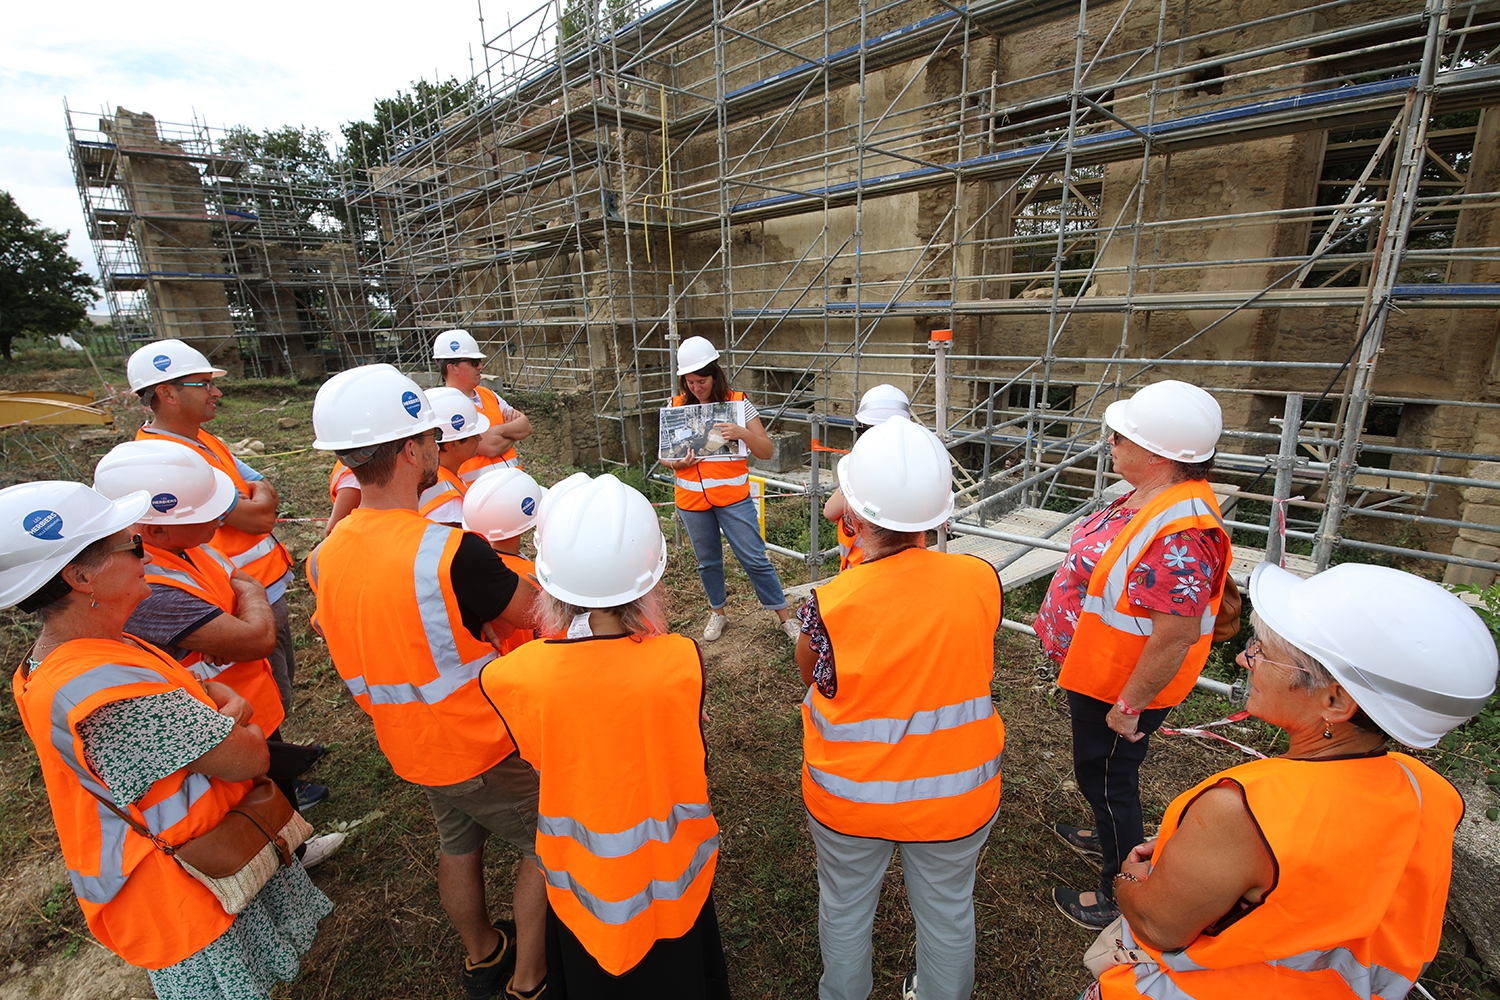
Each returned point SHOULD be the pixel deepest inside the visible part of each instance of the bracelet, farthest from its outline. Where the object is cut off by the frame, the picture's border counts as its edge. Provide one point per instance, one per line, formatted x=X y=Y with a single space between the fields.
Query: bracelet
x=1127 y=877
x=1126 y=709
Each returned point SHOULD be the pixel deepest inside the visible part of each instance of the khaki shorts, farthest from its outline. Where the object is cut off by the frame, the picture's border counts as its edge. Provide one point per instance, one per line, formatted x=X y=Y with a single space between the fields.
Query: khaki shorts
x=502 y=800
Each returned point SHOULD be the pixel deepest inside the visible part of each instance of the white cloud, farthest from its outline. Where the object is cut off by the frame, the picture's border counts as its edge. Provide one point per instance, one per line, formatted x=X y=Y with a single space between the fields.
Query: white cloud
x=275 y=63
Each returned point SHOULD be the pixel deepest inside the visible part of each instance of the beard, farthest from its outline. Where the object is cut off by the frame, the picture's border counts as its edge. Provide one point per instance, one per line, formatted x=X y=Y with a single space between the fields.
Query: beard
x=429 y=478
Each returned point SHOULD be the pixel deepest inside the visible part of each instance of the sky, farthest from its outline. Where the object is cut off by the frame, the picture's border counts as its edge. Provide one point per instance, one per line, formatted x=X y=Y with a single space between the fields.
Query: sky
x=263 y=65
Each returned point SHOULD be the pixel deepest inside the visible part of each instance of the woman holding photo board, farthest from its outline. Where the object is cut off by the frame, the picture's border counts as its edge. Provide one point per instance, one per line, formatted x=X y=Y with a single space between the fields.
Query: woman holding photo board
x=713 y=494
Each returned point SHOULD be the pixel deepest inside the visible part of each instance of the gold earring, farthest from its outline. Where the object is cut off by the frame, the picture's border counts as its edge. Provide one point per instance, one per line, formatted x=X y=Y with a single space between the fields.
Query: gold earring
x=1327 y=729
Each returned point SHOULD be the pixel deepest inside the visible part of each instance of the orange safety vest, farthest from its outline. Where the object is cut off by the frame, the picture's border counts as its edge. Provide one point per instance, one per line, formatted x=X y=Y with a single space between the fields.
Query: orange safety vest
x=851 y=553
x=334 y=475
x=525 y=569
x=448 y=487
x=1112 y=631
x=1363 y=851
x=625 y=836
x=489 y=405
x=138 y=901
x=262 y=556
x=717 y=483
x=205 y=574
x=908 y=748
x=387 y=611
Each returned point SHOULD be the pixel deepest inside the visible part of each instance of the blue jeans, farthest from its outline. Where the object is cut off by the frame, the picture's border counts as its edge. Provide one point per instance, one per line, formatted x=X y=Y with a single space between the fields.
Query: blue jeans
x=740 y=525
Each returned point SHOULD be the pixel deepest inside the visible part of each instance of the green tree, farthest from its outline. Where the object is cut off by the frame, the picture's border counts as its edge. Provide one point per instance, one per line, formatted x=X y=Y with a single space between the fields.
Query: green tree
x=43 y=290
x=404 y=120
x=293 y=181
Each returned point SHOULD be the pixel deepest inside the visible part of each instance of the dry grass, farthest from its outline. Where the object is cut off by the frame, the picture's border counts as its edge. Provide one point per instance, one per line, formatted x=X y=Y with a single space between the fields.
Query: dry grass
x=388 y=936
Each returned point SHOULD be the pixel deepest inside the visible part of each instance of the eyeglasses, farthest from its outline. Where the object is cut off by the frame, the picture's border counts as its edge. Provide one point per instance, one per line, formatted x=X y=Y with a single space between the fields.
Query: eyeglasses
x=135 y=546
x=192 y=385
x=1252 y=653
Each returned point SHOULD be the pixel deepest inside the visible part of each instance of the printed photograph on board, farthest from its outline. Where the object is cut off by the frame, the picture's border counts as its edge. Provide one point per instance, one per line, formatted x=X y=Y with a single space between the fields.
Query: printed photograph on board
x=691 y=428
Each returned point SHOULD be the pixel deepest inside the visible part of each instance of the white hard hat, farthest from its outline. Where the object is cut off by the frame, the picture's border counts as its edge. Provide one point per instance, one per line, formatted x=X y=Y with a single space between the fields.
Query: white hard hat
x=457 y=414
x=184 y=488
x=369 y=405
x=695 y=353
x=554 y=493
x=602 y=546
x=45 y=525
x=882 y=402
x=1412 y=655
x=455 y=344
x=166 y=361
x=898 y=476
x=503 y=504
x=1173 y=419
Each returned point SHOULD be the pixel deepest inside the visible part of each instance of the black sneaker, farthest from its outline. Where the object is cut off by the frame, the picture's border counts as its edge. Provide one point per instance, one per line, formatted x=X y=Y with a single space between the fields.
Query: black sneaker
x=309 y=795
x=909 y=986
x=1095 y=918
x=484 y=980
x=1086 y=844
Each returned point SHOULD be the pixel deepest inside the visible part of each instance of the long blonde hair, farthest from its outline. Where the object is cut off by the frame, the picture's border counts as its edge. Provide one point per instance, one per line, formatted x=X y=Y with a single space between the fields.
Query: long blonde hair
x=643 y=617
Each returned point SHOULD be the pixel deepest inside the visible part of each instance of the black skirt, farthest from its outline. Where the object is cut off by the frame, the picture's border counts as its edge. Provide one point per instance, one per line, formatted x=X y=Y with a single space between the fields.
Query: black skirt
x=690 y=967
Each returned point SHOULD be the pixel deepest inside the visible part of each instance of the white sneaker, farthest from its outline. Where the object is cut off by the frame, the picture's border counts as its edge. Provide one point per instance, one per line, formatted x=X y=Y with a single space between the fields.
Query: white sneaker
x=792 y=628
x=319 y=848
x=715 y=626
x=909 y=987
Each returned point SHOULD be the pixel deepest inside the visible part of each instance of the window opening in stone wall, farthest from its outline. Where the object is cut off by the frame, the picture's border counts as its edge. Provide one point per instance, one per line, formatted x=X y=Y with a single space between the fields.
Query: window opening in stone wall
x=1450 y=149
x=1035 y=222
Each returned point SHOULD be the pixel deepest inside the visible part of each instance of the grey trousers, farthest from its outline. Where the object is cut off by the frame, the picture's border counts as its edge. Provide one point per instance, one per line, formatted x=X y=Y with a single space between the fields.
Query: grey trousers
x=283 y=659
x=940 y=889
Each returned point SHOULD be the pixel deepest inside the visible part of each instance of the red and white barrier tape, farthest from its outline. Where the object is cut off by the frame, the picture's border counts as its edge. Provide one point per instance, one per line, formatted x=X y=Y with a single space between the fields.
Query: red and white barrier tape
x=1202 y=732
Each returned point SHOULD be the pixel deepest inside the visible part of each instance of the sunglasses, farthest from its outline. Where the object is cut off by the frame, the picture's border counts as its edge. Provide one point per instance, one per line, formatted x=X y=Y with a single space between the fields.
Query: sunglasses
x=135 y=546
x=1252 y=654
x=192 y=385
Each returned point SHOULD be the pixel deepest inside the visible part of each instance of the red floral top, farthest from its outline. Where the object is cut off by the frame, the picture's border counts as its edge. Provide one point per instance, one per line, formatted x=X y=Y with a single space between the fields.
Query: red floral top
x=1174 y=575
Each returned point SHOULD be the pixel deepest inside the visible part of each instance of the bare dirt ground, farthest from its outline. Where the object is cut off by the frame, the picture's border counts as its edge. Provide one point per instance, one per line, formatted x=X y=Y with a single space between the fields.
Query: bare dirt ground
x=388 y=937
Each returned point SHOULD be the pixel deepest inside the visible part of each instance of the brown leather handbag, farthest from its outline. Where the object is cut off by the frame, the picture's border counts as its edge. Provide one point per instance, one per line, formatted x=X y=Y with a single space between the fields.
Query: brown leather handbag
x=237 y=857
x=1227 y=624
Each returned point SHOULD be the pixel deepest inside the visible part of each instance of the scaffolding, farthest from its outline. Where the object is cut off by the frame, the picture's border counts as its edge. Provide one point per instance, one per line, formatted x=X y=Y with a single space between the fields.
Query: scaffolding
x=1017 y=211
x=201 y=236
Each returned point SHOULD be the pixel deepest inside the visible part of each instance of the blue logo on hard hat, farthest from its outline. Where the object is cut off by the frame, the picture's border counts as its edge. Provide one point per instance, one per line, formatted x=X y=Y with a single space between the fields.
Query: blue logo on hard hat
x=43 y=524
x=528 y=506
x=162 y=362
x=453 y=345
x=412 y=402
x=458 y=421
x=164 y=502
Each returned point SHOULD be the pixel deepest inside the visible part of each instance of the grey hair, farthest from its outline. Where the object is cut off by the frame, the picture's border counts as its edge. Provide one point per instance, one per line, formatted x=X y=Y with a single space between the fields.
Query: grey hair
x=1317 y=676
x=1277 y=648
x=643 y=617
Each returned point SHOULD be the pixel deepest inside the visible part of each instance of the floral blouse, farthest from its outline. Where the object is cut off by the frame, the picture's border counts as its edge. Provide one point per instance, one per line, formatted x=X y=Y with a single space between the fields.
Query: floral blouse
x=1174 y=575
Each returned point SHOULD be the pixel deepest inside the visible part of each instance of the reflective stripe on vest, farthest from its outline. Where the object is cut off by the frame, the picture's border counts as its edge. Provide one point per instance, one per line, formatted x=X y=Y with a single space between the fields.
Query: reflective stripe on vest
x=624 y=910
x=703 y=485
x=890 y=793
x=494 y=465
x=1106 y=604
x=1365 y=981
x=453 y=672
x=264 y=547
x=617 y=845
x=892 y=730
